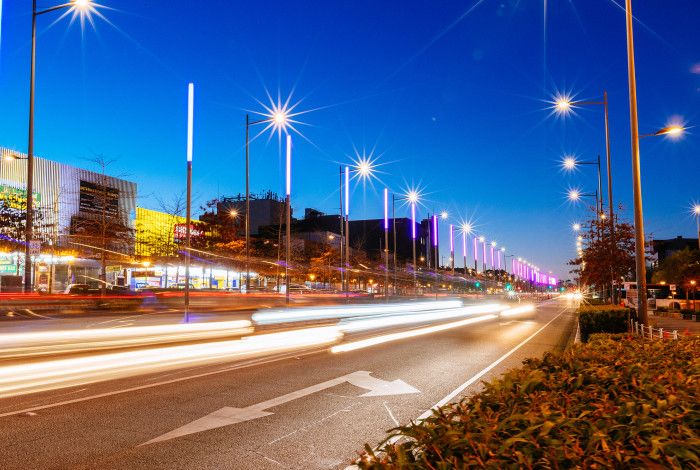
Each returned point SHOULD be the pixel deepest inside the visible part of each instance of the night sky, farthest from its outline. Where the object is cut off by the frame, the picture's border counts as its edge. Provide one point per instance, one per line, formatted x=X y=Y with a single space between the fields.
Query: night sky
x=449 y=95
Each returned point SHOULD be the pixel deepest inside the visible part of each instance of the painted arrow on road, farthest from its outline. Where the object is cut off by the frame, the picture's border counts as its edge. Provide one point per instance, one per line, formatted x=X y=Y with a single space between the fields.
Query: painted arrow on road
x=229 y=415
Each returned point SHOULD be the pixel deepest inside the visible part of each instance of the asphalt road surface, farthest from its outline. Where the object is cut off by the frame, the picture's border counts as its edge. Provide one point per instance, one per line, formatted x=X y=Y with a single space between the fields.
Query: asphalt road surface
x=308 y=409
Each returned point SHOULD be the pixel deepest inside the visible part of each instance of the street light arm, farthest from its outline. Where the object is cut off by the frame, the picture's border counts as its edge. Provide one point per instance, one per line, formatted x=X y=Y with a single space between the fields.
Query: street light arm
x=57 y=7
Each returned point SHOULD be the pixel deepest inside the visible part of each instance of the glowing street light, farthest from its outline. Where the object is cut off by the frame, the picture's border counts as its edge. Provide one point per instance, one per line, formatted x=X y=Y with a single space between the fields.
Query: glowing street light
x=673 y=131
x=444 y=215
x=188 y=210
x=288 y=180
x=576 y=227
x=569 y=163
x=696 y=212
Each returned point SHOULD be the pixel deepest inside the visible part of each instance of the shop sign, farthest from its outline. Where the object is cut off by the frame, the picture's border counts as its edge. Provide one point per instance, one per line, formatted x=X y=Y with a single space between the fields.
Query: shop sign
x=16 y=198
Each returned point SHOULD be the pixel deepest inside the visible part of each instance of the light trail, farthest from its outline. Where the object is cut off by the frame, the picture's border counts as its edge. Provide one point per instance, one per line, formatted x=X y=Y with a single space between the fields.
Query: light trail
x=515 y=311
x=362 y=324
x=70 y=341
x=53 y=374
x=329 y=313
x=366 y=343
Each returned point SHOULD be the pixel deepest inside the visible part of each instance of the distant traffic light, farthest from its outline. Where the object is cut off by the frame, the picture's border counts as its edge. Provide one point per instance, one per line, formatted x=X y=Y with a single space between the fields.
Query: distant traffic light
x=478 y=284
x=509 y=287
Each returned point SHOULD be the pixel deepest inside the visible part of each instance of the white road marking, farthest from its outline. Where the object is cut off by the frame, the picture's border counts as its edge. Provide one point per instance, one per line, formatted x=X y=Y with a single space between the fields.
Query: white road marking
x=466 y=384
x=391 y=415
x=483 y=372
x=229 y=415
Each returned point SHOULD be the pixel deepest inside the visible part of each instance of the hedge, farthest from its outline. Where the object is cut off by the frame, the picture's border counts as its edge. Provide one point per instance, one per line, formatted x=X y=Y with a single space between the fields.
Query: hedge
x=602 y=319
x=614 y=402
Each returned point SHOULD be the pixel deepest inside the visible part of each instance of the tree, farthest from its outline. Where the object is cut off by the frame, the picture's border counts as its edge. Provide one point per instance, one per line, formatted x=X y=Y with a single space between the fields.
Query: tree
x=680 y=268
x=605 y=260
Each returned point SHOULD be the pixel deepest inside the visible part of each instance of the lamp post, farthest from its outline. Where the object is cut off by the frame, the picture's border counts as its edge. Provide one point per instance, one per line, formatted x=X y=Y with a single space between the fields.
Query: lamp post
x=288 y=180
x=81 y=7
x=188 y=211
x=696 y=212
x=564 y=105
x=347 y=229
x=386 y=245
x=482 y=239
x=278 y=119
x=570 y=163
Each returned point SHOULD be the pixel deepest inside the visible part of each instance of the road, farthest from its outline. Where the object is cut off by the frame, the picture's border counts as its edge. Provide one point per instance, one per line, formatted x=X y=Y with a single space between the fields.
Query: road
x=308 y=408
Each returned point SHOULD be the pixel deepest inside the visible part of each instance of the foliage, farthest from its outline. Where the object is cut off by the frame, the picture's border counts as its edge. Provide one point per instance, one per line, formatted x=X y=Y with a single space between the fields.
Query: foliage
x=614 y=402
x=602 y=319
x=679 y=268
x=606 y=257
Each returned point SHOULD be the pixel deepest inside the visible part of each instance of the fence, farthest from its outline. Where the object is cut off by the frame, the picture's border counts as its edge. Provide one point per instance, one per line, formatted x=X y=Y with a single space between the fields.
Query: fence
x=651 y=332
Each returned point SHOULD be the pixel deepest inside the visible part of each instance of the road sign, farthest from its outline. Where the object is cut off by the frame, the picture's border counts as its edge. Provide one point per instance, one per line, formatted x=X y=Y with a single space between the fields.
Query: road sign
x=230 y=415
x=34 y=247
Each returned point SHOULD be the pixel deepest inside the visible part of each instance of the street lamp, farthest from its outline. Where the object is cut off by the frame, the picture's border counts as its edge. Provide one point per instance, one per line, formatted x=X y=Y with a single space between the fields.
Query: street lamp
x=188 y=210
x=564 y=105
x=466 y=229
x=569 y=163
x=386 y=245
x=288 y=180
x=696 y=212
x=79 y=7
x=277 y=119
x=412 y=196
x=482 y=239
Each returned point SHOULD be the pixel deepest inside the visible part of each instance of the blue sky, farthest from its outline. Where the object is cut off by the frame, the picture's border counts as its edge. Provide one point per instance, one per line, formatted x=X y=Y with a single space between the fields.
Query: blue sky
x=452 y=98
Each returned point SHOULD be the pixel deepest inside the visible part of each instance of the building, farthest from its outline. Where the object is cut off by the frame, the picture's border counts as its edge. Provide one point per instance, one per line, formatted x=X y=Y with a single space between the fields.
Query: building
x=83 y=219
x=665 y=248
x=365 y=235
x=265 y=209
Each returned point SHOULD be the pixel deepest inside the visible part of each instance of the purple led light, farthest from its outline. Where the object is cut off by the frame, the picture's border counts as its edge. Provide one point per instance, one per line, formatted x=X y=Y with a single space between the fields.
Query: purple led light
x=492 y=263
x=413 y=220
x=476 y=251
x=452 y=241
x=435 y=231
x=347 y=191
x=464 y=246
x=386 y=209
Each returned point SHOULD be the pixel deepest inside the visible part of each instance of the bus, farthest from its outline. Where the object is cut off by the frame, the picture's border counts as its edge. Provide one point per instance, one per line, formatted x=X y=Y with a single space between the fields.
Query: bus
x=658 y=296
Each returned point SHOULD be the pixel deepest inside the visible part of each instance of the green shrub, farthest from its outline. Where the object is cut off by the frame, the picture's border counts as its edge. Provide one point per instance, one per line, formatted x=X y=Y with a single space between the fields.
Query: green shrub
x=620 y=403
x=605 y=319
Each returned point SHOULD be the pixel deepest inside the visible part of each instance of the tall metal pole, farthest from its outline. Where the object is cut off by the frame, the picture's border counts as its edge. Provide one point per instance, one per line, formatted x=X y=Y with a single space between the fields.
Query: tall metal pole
x=609 y=162
x=611 y=208
x=386 y=244
x=452 y=249
x=289 y=215
x=600 y=189
x=413 y=243
x=188 y=211
x=28 y=229
x=247 y=204
x=347 y=230
x=393 y=220
x=640 y=260
x=436 y=239
x=342 y=231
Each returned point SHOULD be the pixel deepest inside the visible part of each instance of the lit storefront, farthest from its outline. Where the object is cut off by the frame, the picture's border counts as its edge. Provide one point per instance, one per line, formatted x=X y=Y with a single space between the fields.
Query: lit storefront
x=79 y=214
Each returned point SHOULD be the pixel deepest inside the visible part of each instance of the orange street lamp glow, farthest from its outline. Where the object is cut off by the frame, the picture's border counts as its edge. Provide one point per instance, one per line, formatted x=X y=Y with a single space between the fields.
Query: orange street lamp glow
x=696 y=209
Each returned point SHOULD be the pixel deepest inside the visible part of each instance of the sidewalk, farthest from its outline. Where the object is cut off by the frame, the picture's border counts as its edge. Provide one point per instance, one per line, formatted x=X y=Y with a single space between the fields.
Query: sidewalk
x=684 y=327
